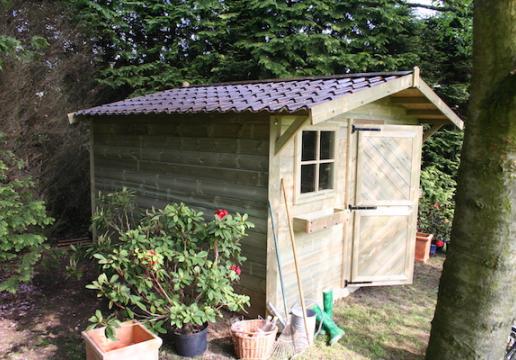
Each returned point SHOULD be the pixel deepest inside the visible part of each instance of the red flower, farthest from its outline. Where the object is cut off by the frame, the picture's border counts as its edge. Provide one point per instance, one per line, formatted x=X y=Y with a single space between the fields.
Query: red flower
x=236 y=269
x=221 y=213
x=437 y=205
x=439 y=243
x=148 y=258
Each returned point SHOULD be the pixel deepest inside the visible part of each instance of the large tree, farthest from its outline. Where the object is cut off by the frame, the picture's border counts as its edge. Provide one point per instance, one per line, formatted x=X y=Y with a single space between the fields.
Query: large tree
x=476 y=303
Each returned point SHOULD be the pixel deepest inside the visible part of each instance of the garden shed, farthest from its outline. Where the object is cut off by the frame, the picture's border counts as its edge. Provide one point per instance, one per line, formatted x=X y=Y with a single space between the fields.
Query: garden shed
x=348 y=149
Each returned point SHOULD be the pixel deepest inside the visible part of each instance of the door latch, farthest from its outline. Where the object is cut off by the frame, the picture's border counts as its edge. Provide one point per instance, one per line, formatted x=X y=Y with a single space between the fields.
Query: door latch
x=355 y=128
x=351 y=207
x=346 y=283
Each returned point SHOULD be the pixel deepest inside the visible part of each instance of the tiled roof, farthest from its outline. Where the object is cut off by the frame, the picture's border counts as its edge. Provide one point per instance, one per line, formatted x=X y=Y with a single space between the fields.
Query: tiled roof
x=282 y=95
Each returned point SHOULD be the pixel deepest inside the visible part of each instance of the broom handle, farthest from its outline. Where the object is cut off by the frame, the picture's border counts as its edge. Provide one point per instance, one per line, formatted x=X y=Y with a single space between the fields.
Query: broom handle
x=294 y=252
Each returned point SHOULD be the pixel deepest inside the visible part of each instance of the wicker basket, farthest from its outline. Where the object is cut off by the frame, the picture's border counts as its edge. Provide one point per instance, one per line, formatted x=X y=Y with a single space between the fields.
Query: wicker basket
x=251 y=344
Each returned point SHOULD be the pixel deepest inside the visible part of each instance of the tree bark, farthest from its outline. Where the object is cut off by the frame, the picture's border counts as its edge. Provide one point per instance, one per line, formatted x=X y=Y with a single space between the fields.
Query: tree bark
x=477 y=292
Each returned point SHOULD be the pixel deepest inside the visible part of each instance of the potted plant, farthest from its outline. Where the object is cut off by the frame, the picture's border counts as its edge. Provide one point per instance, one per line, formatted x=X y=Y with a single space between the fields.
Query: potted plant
x=174 y=272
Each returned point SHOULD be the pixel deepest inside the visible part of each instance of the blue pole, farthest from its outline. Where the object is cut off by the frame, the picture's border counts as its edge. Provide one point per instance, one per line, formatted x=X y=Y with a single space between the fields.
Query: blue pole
x=276 y=248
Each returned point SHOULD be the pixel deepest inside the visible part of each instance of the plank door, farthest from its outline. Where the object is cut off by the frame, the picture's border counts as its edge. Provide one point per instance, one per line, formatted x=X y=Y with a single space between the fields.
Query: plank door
x=388 y=161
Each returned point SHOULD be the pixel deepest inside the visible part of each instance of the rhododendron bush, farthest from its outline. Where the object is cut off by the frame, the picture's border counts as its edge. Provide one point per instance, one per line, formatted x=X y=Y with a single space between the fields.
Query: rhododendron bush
x=174 y=270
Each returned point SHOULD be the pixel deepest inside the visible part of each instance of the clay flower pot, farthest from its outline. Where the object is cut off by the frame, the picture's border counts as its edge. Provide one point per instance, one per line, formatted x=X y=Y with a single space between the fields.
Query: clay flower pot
x=133 y=342
x=423 y=242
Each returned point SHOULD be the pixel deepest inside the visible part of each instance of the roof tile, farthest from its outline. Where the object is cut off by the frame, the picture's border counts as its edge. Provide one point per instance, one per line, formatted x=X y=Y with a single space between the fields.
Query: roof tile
x=283 y=95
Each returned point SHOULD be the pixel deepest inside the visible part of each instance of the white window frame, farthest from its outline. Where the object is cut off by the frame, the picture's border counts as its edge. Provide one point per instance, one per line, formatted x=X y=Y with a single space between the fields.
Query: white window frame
x=317 y=194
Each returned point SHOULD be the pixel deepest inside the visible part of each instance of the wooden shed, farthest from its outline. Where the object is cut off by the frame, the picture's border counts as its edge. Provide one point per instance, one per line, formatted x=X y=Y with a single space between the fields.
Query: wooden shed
x=348 y=148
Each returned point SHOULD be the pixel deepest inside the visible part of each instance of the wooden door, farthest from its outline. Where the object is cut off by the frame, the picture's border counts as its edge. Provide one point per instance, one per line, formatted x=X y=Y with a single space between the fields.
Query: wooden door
x=388 y=160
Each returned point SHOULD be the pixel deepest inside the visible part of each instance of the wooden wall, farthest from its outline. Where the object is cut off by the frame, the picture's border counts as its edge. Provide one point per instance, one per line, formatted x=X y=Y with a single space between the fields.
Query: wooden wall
x=206 y=161
x=324 y=256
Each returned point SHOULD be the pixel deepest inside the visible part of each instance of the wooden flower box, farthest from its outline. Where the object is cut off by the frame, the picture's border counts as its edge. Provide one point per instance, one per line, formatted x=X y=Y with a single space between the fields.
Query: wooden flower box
x=319 y=220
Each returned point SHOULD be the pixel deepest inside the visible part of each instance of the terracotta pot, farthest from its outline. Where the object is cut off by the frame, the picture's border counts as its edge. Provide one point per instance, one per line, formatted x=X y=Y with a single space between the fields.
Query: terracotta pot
x=423 y=242
x=133 y=342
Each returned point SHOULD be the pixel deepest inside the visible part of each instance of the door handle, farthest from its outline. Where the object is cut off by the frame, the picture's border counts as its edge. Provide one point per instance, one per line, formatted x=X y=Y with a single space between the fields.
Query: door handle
x=351 y=207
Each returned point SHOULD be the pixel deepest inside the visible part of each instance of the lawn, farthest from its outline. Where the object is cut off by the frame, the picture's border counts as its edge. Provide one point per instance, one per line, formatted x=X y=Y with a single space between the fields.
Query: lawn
x=44 y=320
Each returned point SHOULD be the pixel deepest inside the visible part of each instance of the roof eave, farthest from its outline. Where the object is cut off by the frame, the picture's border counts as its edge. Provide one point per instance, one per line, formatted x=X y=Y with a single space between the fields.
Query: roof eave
x=325 y=111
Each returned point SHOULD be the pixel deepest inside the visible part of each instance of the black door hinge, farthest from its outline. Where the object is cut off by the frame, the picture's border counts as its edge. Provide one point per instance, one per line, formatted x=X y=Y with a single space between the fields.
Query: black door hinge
x=346 y=283
x=351 y=207
x=355 y=128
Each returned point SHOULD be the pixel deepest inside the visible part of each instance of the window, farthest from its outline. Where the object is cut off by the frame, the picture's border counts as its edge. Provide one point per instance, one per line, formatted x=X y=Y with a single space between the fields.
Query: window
x=317 y=161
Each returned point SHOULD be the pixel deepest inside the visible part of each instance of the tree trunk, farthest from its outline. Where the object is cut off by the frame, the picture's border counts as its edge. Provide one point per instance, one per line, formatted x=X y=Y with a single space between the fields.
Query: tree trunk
x=477 y=292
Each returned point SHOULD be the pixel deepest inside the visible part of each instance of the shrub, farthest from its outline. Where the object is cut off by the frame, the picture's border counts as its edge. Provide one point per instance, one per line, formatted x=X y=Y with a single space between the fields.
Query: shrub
x=441 y=158
x=22 y=219
x=174 y=271
x=115 y=213
x=437 y=205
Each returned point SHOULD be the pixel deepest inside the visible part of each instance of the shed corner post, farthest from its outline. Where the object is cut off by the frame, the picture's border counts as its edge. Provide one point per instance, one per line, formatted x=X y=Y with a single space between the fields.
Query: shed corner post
x=92 y=177
x=272 y=287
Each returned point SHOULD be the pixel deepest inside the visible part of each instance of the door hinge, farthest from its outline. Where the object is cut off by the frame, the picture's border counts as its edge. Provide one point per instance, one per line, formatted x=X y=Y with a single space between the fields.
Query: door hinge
x=346 y=282
x=351 y=207
x=355 y=128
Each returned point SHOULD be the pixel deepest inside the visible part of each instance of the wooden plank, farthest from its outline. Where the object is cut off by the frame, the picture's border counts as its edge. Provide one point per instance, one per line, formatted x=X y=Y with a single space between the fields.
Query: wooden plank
x=291 y=130
x=348 y=102
x=207 y=144
x=185 y=157
x=441 y=105
x=433 y=129
x=272 y=289
x=243 y=177
x=93 y=190
x=420 y=112
x=402 y=100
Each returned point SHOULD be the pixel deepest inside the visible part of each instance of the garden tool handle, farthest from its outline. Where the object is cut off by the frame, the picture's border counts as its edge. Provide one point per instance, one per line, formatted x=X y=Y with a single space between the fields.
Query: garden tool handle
x=294 y=253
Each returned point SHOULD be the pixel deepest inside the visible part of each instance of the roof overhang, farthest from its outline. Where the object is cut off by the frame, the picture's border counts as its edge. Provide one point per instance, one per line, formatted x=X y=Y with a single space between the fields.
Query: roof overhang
x=409 y=91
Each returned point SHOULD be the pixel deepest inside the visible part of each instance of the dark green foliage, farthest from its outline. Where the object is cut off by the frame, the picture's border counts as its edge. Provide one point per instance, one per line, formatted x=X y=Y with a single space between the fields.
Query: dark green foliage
x=152 y=45
x=49 y=75
x=12 y=47
x=441 y=157
x=22 y=219
x=446 y=49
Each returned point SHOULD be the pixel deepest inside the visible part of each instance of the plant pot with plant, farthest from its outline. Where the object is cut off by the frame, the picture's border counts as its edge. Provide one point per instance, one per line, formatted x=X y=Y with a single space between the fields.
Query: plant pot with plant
x=174 y=272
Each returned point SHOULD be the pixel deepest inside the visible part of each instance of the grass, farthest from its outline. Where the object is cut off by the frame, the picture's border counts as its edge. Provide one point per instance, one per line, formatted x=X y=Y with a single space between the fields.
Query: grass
x=386 y=322
x=392 y=322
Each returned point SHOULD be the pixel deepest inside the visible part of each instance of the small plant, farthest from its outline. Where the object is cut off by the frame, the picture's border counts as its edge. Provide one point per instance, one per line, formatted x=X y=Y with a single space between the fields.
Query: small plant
x=22 y=219
x=174 y=271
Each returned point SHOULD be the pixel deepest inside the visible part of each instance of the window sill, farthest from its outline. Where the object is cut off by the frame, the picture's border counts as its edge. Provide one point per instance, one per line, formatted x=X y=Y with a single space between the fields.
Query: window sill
x=314 y=196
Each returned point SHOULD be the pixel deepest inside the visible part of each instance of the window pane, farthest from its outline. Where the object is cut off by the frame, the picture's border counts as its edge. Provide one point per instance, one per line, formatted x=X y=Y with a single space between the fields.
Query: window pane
x=308 y=145
x=325 y=176
x=307 y=178
x=327 y=144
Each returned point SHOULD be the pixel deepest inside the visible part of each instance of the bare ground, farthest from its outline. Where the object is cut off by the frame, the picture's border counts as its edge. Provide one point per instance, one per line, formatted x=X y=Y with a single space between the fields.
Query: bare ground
x=44 y=321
